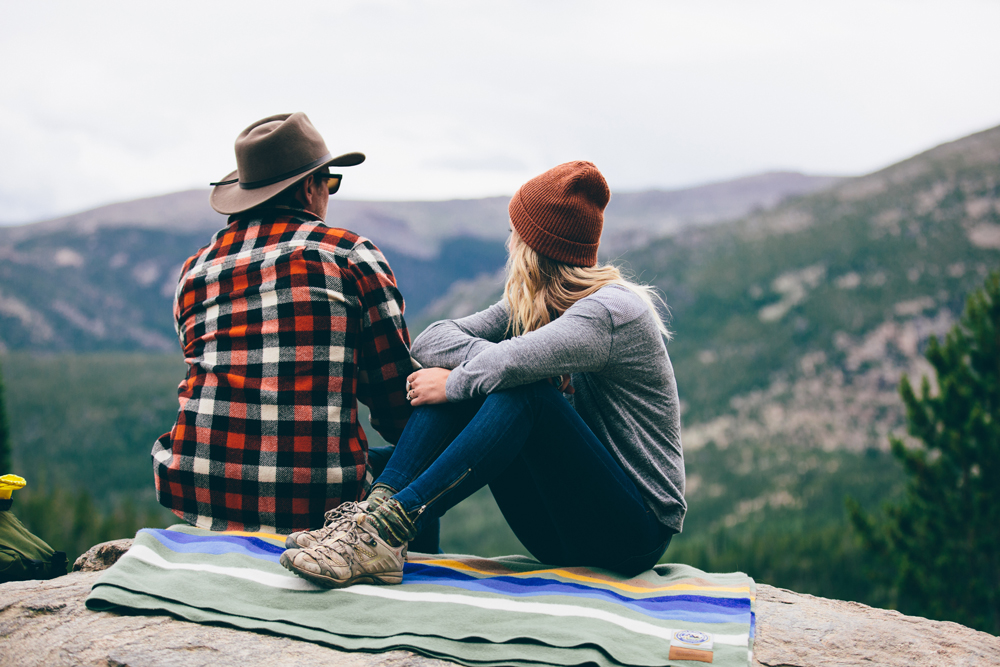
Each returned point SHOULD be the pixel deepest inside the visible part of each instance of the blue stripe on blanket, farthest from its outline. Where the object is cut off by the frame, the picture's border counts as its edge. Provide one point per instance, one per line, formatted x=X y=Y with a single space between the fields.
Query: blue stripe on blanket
x=707 y=609
x=217 y=544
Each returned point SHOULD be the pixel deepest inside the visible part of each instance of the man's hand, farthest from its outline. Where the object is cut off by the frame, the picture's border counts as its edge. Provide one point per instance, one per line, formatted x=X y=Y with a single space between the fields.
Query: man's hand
x=426 y=386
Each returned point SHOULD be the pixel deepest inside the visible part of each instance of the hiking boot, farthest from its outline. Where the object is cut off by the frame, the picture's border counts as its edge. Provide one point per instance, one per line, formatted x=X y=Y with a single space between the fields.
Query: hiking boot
x=354 y=555
x=336 y=520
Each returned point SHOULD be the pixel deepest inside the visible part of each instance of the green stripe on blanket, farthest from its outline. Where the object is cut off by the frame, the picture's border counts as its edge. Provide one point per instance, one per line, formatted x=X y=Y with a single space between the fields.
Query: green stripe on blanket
x=476 y=611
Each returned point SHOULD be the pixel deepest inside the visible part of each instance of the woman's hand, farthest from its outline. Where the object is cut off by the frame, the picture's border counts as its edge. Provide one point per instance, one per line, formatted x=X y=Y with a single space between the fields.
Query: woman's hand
x=564 y=383
x=426 y=386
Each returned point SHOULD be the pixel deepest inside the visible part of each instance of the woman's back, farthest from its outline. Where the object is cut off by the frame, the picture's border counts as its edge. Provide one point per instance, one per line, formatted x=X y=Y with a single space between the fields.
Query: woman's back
x=631 y=404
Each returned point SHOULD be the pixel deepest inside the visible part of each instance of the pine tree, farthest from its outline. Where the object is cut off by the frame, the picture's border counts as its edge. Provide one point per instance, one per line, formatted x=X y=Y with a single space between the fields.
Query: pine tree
x=940 y=547
x=5 y=447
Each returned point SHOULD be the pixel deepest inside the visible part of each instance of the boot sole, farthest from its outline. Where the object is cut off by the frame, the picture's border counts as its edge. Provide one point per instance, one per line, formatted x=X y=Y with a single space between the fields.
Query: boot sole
x=388 y=578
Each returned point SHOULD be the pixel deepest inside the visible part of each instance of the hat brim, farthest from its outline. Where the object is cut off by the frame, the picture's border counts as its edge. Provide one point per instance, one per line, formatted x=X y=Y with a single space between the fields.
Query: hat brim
x=230 y=198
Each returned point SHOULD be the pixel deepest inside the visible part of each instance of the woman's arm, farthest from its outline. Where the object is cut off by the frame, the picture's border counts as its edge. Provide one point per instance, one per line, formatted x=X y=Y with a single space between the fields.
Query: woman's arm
x=578 y=341
x=448 y=343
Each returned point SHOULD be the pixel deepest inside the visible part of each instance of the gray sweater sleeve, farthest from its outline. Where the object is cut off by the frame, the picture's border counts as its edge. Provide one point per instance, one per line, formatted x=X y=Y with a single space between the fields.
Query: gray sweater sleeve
x=577 y=342
x=448 y=343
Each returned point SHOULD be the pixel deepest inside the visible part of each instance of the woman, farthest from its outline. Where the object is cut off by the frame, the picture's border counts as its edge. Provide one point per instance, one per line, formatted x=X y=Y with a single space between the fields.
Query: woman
x=599 y=482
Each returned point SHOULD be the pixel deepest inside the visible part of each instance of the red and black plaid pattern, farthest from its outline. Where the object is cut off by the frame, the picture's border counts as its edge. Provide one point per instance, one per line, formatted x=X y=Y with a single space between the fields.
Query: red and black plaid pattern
x=284 y=322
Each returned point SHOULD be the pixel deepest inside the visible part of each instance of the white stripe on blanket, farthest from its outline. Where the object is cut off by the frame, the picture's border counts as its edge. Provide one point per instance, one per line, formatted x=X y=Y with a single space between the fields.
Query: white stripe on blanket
x=147 y=555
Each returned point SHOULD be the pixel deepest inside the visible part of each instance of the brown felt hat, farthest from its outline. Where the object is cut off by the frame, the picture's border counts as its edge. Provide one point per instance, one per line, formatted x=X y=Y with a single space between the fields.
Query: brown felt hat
x=271 y=155
x=560 y=214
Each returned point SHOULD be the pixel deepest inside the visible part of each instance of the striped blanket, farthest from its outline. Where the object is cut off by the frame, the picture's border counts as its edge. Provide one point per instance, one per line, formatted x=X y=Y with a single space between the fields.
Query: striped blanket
x=476 y=611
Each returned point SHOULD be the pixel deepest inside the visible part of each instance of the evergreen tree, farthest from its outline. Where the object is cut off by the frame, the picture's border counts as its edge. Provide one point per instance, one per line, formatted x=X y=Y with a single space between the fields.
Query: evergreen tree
x=941 y=544
x=5 y=447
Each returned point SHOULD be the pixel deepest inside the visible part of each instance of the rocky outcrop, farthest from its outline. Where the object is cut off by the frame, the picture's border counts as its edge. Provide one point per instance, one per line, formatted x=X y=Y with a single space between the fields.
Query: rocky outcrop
x=796 y=630
x=102 y=556
x=46 y=623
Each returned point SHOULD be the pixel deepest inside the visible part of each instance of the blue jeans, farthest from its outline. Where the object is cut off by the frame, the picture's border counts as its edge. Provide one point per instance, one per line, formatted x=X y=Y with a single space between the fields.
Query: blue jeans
x=564 y=495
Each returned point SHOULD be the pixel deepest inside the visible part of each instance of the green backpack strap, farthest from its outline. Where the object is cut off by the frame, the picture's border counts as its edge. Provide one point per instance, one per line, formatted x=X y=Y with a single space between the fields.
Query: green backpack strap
x=26 y=556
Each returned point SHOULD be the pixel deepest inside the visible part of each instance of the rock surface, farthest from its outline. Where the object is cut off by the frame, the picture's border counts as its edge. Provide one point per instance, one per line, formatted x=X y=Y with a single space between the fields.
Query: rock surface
x=101 y=556
x=796 y=630
x=46 y=623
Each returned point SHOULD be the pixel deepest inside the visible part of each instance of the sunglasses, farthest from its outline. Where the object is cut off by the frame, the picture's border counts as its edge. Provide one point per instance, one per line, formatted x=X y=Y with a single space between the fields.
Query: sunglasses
x=332 y=181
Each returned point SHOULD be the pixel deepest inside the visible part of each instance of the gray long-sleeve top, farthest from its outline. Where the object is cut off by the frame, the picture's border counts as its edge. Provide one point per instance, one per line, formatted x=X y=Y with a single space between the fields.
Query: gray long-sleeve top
x=624 y=382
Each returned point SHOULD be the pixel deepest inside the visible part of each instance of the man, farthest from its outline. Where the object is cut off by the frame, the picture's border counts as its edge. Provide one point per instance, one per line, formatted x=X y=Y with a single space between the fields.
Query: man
x=285 y=323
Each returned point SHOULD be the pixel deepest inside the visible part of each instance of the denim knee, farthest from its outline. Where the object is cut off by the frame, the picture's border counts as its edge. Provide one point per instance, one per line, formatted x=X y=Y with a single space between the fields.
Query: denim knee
x=532 y=393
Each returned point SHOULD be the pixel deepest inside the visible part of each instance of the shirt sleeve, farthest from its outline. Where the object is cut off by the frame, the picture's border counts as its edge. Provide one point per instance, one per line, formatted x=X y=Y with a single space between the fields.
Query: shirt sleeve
x=384 y=357
x=448 y=343
x=579 y=341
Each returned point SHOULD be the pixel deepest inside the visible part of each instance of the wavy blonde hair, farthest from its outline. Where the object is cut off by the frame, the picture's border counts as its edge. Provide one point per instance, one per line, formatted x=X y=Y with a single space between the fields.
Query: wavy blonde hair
x=539 y=289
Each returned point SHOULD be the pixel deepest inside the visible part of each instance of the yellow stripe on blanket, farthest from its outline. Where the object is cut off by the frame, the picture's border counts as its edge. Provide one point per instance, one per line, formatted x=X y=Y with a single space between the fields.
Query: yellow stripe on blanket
x=279 y=539
x=458 y=565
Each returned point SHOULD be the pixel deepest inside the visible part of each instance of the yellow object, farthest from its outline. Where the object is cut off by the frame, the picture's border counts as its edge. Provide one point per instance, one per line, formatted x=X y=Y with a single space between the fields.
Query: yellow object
x=9 y=484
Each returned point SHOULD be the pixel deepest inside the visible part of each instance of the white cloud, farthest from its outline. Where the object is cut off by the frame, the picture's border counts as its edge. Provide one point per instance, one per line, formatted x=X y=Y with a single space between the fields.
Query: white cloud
x=458 y=99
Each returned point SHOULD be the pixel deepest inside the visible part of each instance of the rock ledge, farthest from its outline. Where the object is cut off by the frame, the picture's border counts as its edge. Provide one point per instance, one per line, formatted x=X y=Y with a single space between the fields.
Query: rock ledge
x=46 y=623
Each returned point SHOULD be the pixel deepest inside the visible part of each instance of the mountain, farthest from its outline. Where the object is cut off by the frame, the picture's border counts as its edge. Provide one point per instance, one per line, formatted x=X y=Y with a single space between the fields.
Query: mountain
x=850 y=281
x=103 y=280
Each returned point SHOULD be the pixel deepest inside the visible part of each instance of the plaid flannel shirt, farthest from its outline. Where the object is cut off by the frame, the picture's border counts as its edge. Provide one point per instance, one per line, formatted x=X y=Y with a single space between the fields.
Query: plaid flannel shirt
x=284 y=323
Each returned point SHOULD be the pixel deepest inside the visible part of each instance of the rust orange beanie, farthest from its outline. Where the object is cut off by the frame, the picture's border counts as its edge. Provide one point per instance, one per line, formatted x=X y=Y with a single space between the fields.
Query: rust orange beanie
x=560 y=213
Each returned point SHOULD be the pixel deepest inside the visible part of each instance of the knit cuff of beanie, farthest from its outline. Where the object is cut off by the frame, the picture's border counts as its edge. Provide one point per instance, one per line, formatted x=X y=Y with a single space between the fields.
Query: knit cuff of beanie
x=392 y=522
x=378 y=495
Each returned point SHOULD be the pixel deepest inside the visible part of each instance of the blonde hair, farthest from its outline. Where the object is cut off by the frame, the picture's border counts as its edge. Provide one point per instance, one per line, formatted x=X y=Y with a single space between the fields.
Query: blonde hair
x=539 y=289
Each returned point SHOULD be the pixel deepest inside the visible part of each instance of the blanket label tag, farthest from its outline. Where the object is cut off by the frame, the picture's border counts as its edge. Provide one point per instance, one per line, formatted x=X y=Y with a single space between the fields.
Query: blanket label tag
x=691 y=645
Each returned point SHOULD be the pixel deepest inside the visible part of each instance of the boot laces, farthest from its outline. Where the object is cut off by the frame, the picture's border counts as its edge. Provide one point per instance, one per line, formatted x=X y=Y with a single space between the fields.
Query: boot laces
x=351 y=536
x=334 y=519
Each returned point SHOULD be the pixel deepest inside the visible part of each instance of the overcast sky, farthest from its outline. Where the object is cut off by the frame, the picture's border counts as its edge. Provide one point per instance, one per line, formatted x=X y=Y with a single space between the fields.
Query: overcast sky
x=107 y=101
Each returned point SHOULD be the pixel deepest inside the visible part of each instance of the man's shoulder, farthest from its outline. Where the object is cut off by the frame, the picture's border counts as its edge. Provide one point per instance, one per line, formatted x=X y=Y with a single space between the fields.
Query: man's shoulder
x=354 y=248
x=296 y=228
x=343 y=239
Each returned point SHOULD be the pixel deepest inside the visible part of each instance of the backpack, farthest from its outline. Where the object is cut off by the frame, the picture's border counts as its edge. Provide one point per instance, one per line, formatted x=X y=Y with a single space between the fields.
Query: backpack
x=23 y=555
